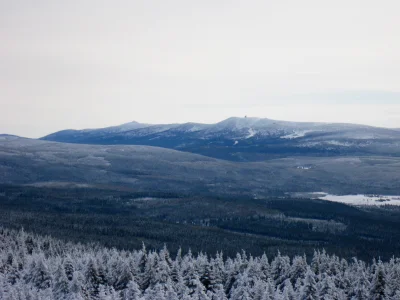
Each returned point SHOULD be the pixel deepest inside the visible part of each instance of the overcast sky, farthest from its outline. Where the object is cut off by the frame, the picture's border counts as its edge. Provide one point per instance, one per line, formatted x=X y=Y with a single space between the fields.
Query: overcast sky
x=94 y=63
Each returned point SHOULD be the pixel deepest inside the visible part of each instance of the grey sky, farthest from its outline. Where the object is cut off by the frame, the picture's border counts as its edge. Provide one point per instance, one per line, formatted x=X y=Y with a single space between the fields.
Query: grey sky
x=95 y=63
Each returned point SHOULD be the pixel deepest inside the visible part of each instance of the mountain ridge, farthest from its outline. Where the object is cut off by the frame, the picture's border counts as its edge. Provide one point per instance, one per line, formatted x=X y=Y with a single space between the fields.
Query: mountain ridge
x=245 y=139
x=234 y=118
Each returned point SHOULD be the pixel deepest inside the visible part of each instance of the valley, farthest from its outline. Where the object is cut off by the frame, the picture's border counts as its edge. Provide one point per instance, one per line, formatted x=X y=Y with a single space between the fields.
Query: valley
x=123 y=195
x=126 y=218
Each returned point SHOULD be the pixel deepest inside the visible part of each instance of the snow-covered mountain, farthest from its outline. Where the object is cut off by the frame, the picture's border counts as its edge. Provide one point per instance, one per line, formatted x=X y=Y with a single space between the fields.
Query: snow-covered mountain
x=246 y=138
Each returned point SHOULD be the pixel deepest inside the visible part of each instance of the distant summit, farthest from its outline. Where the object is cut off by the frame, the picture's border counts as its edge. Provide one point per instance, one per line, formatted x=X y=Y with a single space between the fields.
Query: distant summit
x=245 y=138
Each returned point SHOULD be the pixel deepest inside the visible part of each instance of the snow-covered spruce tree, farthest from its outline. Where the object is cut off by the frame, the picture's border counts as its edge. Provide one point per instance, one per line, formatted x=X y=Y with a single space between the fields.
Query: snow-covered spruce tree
x=69 y=268
x=34 y=267
x=41 y=277
x=393 y=278
x=378 y=284
x=60 y=284
x=132 y=291
x=308 y=290
x=93 y=280
x=298 y=269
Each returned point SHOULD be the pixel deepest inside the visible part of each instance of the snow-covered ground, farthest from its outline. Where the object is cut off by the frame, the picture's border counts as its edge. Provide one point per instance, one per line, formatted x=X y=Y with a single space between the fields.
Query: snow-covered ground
x=252 y=133
x=360 y=200
x=337 y=143
x=304 y=167
x=296 y=134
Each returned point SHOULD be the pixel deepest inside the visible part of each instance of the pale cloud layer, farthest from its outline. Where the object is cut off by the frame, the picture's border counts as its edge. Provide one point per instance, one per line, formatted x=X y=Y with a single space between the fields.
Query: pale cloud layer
x=94 y=63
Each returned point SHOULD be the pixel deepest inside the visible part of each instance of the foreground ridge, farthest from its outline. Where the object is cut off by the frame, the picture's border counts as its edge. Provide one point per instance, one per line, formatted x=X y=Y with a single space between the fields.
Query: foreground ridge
x=35 y=267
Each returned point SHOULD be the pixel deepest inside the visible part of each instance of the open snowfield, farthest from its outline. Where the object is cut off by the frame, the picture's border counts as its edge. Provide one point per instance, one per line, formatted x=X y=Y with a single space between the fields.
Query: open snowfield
x=360 y=200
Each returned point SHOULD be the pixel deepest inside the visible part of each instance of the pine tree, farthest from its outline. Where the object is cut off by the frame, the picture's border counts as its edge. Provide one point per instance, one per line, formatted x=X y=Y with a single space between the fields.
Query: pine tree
x=206 y=277
x=259 y=289
x=165 y=256
x=144 y=267
x=280 y=268
x=76 y=288
x=41 y=276
x=288 y=291
x=393 y=278
x=219 y=293
x=132 y=291
x=61 y=284
x=123 y=278
x=360 y=286
x=315 y=262
x=190 y=278
x=157 y=292
x=378 y=284
x=103 y=293
x=69 y=268
x=231 y=279
x=216 y=272
x=265 y=267
x=93 y=280
x=175 y=272
x=180 y=287
x=241 y=288
x=29 y=245
x=309 y=289
x=327 y=289
x=199 y=292
x=298 y=269
x=178 y=258
x=170 y=292
x=13 y=275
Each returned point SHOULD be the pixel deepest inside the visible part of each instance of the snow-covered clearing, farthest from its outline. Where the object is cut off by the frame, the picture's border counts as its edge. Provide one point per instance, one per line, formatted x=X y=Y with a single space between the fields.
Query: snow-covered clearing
x=361 y=200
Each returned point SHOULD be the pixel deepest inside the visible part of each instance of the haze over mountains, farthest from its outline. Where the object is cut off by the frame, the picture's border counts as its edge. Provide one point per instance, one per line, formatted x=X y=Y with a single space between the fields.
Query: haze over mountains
x=246 y=139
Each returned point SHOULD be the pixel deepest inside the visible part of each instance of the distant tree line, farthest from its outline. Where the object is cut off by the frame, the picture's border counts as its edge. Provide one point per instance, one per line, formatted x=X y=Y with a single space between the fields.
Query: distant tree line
x=37 y=267
x=124 y=220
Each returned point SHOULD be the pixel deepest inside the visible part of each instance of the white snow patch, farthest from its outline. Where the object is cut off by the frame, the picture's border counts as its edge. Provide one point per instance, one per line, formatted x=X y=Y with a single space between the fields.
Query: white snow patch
x=296 y=134
x=252 y=133
x=361 y=200
x=304 y=167
x=337 y=143
x=194 y=129
x=146 y=199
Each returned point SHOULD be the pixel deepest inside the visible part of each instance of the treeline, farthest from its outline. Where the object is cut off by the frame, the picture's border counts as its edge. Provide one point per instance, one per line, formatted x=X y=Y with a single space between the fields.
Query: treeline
x=36 y=267
x=125 y=219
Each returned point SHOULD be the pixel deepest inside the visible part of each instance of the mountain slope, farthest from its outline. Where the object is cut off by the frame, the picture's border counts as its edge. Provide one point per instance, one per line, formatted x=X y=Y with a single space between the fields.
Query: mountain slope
x=25 y=161
x=246 y=139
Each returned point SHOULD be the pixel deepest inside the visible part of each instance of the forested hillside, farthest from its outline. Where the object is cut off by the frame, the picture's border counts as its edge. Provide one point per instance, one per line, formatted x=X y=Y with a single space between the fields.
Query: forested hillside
x=35 y=267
